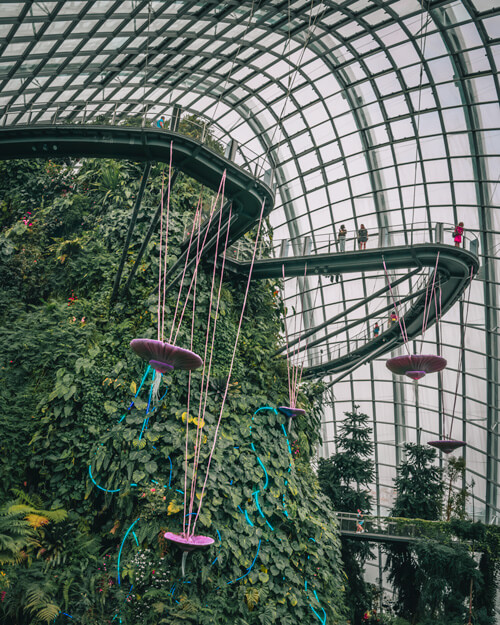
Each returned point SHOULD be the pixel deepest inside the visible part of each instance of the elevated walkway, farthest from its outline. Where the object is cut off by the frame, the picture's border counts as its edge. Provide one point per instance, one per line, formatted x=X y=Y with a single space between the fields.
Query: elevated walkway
x=414 y=249
x=388 y=529
x=189 y=155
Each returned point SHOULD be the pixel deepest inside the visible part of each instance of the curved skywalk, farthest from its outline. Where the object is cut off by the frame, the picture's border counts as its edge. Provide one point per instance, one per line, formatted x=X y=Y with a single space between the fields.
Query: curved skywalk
x=413 y=249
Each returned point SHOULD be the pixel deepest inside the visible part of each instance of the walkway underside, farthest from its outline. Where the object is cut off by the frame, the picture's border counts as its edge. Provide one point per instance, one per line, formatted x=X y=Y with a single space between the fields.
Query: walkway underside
x=145 y=144
x=453 y=275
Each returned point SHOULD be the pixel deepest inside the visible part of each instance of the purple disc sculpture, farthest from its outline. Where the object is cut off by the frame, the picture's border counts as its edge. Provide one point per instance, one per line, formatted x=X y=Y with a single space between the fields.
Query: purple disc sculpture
x=190 y=543
x=164 y=357
x=446 y=445
x=291 y=412
x=415 y=367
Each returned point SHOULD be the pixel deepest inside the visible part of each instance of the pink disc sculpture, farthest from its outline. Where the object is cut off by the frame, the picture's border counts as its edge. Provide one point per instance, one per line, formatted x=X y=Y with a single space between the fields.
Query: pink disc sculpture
x=291 y=412
x=415 y=367
x=164 y=357
x=446 y=445
x=190 y=543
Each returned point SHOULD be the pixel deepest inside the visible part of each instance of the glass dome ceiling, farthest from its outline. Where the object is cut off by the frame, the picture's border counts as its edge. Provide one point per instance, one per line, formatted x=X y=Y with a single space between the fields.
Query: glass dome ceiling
x=376 y=112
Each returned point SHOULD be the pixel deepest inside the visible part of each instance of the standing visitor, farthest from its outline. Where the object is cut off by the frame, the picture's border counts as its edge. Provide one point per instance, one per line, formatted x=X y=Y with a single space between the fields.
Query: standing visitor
x=341 y=237
x=457 y=234
x=362 y=237
x=160 y=123
x=359 y=522
x=376 y=329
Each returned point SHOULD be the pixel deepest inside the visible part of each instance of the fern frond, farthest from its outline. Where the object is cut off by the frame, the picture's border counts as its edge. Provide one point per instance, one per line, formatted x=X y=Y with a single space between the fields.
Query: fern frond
x=36 y=520
x=48 y=613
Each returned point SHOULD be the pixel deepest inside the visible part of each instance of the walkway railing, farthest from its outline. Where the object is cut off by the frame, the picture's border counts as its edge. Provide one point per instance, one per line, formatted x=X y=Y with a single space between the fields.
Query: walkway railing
x=419 y=233
x=386 y=237
x=390 y=528
x=145 y=115
x=333 y=351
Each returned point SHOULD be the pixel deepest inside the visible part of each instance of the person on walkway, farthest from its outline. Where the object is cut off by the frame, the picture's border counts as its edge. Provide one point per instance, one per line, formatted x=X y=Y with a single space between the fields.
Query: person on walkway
x=362 y=237
x=341 y=237
x=457 y=234
x=160 y=123
x=359 y=522
x=392 y=319
x=376 y=329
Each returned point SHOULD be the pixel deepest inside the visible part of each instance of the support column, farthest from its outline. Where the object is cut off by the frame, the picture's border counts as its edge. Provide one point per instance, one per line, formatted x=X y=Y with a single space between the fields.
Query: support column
x=133 y=219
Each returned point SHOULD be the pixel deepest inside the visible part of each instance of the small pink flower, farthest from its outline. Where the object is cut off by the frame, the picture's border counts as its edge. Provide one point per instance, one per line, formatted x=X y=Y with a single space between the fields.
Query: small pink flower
x=153 y=490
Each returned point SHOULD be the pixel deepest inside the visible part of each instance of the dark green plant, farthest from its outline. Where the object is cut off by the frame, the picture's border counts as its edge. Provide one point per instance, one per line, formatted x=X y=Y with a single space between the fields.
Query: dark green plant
x=68 y=376
x=419 y=492
x=345 y=478
x=419 y=486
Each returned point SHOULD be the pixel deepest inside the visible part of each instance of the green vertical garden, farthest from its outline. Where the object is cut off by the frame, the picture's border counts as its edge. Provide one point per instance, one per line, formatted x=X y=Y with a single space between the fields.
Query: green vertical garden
x=67 y=379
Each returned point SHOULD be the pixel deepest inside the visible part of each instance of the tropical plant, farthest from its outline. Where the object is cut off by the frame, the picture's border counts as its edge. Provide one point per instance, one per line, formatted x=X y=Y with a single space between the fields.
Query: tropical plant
x=345 y=478
x=68 y=377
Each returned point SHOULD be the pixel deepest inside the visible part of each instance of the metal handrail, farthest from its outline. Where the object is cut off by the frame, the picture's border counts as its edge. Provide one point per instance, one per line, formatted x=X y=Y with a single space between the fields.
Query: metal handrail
x=390 y=527
x=144 y=114
x=305 y=245
x=418 y=233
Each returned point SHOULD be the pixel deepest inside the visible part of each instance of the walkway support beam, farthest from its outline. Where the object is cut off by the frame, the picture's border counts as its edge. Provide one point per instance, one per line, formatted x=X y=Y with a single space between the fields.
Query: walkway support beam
x=147 y=238
x=133 y=219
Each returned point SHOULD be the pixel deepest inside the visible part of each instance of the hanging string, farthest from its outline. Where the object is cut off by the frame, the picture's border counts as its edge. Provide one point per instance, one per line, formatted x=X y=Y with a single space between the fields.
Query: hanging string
x=421 y=80
x=272 y=143
x=189 y=381
x=230 y=367
x=287 y=343
x=427 y=309
x=146 y=65
x=197 y=216
x=401 y=321
x=462 y=347
x=198 y=260
x=295 y=369
x=228 y=76
x=166 y=239
x=203 y=380
x=201 y=412
x=303 y=360
x=161 y=241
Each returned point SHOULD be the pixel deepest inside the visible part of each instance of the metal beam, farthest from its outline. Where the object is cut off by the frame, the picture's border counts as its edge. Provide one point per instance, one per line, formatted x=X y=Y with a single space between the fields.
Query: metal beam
x=148 y=236
x=133 y=219
x=346 y=312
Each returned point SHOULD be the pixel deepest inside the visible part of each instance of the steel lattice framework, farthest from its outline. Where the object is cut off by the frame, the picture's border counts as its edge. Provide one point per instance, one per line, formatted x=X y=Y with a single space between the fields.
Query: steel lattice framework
x=381 y=112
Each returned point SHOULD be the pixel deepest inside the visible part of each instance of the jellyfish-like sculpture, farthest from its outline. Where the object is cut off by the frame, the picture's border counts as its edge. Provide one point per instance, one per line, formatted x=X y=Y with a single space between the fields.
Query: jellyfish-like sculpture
x=446 y=445
x=416 y=366
x=164 y=357
x=188 y=543
x=291 y=413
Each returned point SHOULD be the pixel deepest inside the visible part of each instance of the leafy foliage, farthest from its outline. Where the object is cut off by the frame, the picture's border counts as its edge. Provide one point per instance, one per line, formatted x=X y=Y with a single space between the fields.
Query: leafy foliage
x=67 y=377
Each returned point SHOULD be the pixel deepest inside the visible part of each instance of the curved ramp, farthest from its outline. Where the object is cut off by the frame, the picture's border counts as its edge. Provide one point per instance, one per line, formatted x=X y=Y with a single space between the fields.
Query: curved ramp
x=145 y=144
x=453 y=273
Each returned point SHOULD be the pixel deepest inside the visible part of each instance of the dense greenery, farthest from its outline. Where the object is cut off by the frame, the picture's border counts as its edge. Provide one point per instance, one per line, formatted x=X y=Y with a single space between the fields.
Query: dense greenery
x=437 y=579
x=345 y=478
x=68 y=376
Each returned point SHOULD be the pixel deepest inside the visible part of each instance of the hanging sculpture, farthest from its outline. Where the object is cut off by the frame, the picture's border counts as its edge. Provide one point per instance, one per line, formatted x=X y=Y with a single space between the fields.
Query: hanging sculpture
x=416 y=366
x=447 y=444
